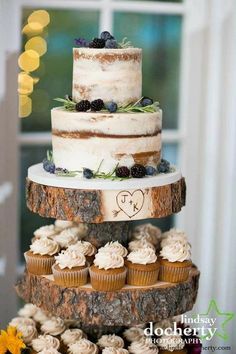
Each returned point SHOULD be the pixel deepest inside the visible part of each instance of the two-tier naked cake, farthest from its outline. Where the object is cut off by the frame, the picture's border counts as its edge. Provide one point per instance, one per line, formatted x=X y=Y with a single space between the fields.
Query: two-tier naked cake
x=84 y=139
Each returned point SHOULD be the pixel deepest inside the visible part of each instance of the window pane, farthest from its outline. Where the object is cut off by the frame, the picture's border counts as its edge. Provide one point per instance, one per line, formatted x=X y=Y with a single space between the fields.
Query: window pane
x=55 y=71
x=29 y=221
x=160 y=38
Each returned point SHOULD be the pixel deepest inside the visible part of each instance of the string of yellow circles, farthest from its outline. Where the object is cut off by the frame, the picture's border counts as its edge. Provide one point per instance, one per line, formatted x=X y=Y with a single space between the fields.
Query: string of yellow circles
x=29 y=60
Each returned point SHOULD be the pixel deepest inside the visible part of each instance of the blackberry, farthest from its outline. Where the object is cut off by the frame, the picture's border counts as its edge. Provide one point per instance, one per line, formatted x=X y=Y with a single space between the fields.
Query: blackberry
x=97 y=105
x=111 y=107
x=163 y=167
x=111 y=43
x=150 y=171
x=106 y=35
x=87 y=173
x=82 y=106
x=122 y=172
x=138 y=171
x=49 y=166
x=146 y=101
x=97 y=43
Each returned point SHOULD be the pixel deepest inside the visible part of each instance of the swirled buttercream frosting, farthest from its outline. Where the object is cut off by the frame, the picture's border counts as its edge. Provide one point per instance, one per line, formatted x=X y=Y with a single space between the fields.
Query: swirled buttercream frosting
x=84 y=247
x=147 y=232
x=49 y=351
x=114 y=247
x=112 y=350
x=142 y=256
x=41 y=316
x=83 y=346
x=70 y=259
x=61 y=225
x=133 y=334
x=28 y=332
x=108 y=260
x=110 y=340
x=71 y=336
x=143 y=346
x=67 y=237
x=45 y=246
x=54 y=326
x=16 y=321
x=176 y=251
x=173 y=235
x=45 y=231
x=140 y=244
x=45 y=342
x=28 y=310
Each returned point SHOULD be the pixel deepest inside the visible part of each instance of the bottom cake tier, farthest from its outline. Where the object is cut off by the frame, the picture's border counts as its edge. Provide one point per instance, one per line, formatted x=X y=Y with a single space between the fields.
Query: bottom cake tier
x=131 y=305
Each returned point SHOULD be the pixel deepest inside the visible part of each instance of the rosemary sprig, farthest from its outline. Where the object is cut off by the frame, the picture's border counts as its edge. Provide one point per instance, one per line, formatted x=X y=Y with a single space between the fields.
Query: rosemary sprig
x=67 y=103
x=125 y=43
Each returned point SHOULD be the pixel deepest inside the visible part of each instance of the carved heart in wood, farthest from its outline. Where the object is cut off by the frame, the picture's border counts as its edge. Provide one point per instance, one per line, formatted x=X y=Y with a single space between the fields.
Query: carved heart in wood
x=130 y=202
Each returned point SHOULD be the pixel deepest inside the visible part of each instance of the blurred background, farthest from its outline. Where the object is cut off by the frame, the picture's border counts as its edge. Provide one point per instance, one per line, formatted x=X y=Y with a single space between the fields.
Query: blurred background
x=189 y=55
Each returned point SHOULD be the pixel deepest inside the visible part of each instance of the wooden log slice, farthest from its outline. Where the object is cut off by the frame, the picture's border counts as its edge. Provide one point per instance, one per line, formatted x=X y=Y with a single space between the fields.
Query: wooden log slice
x=126 y=307
x=98 y=202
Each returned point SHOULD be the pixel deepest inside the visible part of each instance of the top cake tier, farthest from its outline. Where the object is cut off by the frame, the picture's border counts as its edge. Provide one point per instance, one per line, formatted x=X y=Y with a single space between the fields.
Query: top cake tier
x=109 y=74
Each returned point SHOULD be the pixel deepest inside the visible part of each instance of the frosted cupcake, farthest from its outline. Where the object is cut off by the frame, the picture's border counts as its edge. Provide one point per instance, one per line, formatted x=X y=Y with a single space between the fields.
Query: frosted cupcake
x=140 y=244
x=40 y=258
x=108 y=272
x=147 y=232
x=70 y=269
x=83 y=346
x=175 y=260
x=28 y=332
x=16 y=321
x=61 y=225
x=67 y=237
x=40 y=317
x=143 y=346
x=111 y=350
x=86 y=248
x=45 y=342
x=110 y=340
x=142 y=267
x=114 y=247
x=54 y=326
x=133 y=334
x=172 y=344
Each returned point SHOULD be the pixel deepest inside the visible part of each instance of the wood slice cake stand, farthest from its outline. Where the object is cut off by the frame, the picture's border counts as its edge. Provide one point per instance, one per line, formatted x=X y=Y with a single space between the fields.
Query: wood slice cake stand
x=128 y=306
x=98 y=201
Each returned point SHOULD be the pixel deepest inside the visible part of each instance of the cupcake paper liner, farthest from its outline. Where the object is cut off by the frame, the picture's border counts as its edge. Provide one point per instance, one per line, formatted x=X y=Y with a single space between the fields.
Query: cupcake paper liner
x=142 y=277
x=71 y=278
x=172 y=274
x=107 y=282
x=39 y=265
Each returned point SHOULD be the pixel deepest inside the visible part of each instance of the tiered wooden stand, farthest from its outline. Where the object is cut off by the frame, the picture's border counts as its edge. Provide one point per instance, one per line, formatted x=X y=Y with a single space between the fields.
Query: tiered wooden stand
x=107 y=207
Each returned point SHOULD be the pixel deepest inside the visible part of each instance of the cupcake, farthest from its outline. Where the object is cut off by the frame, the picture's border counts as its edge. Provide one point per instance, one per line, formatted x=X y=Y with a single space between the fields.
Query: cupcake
x=45 y=342
x=45 y=231
x=61 y=225
x=16 y=321
x=114 y=247
x=147 y=232
x=54 y=326
x=143 y=346
x=175 y=260
x=112 y=350
x=40 y=317
x=67 y=237
x=171 y=344
x=40 y=258
x=83 y=346
x=86 y=248
x=133 y=334
x=28 y=311
x=110 y=340
x=140 y=244
x=70 y=269
x=108 y=272
x=142 y=267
